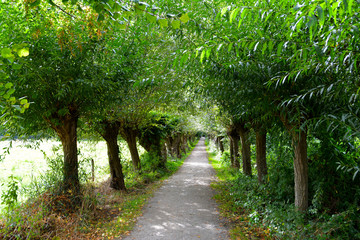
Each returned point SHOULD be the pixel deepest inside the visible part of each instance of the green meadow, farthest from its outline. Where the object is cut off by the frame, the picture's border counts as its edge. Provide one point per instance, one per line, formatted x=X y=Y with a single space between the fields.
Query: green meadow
x=28 y=162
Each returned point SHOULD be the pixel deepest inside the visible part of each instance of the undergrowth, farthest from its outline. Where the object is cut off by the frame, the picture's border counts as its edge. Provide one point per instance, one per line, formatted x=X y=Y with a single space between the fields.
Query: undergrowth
x=240 y=226
x=267 y=211
x=104 y=213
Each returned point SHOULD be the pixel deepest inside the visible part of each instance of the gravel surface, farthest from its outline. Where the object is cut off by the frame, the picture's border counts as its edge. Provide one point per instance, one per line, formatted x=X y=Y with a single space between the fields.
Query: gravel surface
x=183 y=207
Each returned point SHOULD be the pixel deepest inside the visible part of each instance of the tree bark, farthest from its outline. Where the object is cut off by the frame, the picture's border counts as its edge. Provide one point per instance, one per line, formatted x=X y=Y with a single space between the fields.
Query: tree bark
x=231 y=152
x=170 y=144
x=234 y=136
x=236 y=152
x=261 y=155
x=163 y=153
x=183 y=143
x=129 y=135
x=66 y=129
x=245 y=148
x=110 y=134
x=301 y=179
x=301 y=170
x=176 y=146
x=221 y=145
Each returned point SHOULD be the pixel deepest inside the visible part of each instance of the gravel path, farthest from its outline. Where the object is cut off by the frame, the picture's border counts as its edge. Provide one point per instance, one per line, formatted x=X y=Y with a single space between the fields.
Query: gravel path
x=183 y=207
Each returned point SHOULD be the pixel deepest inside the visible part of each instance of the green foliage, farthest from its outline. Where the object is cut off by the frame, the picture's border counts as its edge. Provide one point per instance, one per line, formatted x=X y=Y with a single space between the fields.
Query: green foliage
x=149 y=162
x=225 y=158
x=269 y=64
x=334 y=195
x=9 y=197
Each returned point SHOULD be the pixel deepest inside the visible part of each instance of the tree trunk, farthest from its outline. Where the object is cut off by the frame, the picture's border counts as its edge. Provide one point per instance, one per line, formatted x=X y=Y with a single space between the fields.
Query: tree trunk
x=183 y=143
x=169 y=144
x=299 y=142
x=236 y=152
x=163 y=153
x=234 y=136
x=245 y=149
x=129 y=135
x=176 y=147
x=110 y=135
x=301 y=170
x=261 y=155
x=67 y=132
x=221 y=145
x=231 y=152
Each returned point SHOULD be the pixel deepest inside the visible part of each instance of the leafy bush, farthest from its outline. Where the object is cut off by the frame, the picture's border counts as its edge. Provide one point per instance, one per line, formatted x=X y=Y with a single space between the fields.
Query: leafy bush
x=225 y=158
x=334 y=210
x=9 y=197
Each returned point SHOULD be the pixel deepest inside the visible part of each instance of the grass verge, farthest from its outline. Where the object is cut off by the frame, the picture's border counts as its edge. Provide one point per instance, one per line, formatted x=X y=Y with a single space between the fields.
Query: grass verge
x=103 y=214
x=240 y=226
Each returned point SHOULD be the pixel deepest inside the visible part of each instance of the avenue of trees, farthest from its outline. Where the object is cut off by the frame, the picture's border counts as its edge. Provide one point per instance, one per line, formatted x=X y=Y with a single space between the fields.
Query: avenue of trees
x=275 y=82
x=73 y=70
x=286 y=72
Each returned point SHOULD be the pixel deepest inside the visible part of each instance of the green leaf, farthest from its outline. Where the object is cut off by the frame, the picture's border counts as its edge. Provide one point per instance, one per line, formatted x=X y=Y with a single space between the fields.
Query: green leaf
x=270 y=46
x=6 y=53
x=17 y=66
x=208 y=52
x=12 y=100
x=35 y=3
x=150 y=17
x=163 y=22
x=242 y=16
x=299 y=24
x=99 y=7
x=100 y=18
x=116 y=16
x=223 y=11
x=121 y=25
x=230 y=47
x=127 y=14
x=117 y=7
x=264 y=48
x=334 y=10
x=233 y=14
x=184 y=58
x=350 y=4
x=139 y=8
x=321 y=15
x=10 y=91
x=175 y=24
x=24 y=52
x=202 y=55
x=184 y=18
x=23 y=101
x=9 y=85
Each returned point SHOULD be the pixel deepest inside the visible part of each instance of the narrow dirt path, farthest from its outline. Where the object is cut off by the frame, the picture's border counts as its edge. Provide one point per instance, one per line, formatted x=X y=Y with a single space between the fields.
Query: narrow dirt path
x=183 y=207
